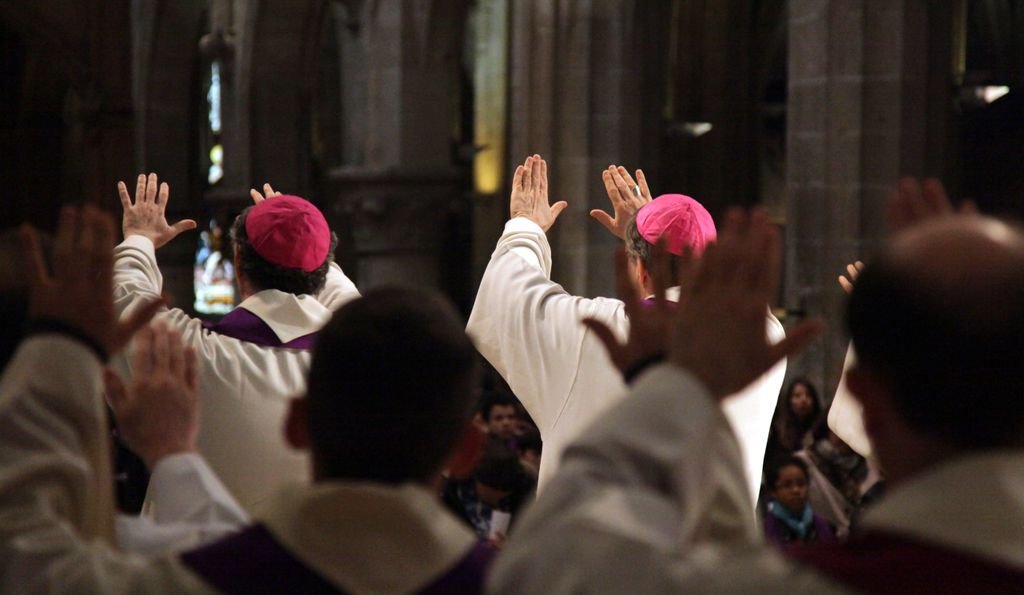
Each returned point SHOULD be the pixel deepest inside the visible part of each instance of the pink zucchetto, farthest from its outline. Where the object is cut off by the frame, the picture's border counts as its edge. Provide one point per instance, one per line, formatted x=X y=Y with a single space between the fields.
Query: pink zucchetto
x=681 y=220
x=290 y=232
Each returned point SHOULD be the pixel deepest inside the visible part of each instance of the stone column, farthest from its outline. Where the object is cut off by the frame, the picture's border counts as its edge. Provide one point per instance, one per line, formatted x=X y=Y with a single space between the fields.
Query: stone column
x=576 y=97
x=395 y=199
x=860 y=114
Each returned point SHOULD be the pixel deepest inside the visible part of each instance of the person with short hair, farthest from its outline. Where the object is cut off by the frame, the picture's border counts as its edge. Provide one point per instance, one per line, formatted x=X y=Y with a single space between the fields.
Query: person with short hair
x=528 y=326
x=256 y=357
x=499 y=413
x=368 y=523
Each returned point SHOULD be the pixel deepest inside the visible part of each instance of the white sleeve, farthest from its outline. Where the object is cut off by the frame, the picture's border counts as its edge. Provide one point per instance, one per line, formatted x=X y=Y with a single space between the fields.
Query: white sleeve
x=192 y=507
x=137 y=277
x=846 y=416
x=56 y=500
x=527 y=326
x=338 y=289
x=750 y=412
x=651 y=499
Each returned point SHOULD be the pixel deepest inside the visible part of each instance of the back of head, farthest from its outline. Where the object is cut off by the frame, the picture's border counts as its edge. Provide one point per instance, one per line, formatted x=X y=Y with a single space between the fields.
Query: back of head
x=682 y=222
x=284 y=243
x=939 y=316
x=392 y=385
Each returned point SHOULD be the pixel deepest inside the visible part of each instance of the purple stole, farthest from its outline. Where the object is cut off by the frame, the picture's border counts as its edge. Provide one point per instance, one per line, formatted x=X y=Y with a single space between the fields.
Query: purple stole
x=245 y=326
x=252 y=561
x=883 y=562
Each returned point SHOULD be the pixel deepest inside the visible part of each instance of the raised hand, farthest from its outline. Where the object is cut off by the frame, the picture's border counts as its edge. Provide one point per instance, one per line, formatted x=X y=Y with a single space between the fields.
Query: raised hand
x=79 y=293
x=650 y=321
x=158 y=414
x=268 y=192
x=720 y=334
x=530 y=194
x=852 y=271
x=145 y=216
x=626 y=197
x=912 y=202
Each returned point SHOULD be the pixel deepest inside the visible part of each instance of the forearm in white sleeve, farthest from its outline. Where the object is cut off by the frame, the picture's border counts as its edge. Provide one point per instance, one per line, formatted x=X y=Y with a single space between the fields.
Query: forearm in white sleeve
x=846 y=416
x=190 y=507
x=56 y=500
x=338 y=289
x=527 y=326
x=137 y=278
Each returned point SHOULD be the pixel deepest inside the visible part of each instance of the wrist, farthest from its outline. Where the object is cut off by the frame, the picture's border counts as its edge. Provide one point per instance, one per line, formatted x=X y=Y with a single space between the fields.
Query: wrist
x=152 y=456
x=142 y=233
x=639 y=366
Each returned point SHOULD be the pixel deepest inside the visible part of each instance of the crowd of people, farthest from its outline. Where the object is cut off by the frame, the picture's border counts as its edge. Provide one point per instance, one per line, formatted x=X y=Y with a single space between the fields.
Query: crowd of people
x=319 y=439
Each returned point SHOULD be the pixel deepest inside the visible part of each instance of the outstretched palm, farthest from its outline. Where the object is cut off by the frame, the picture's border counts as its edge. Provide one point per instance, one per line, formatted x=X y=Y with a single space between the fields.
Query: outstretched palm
x=145 y=216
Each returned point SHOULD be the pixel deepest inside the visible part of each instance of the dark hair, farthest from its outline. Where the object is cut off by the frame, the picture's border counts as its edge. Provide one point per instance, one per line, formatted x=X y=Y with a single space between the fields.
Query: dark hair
x=391 y=387
x=266 y=275
x=495 y=398
x=954 y=362
x=499 y=468
x=530 y=440
x=639 y=248
x=791 y=429
x=775 y=469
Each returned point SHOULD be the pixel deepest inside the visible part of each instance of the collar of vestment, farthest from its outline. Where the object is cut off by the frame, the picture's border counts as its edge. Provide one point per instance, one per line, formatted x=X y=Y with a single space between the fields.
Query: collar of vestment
x=973 y=502
x=274 y=318
x=369 y=538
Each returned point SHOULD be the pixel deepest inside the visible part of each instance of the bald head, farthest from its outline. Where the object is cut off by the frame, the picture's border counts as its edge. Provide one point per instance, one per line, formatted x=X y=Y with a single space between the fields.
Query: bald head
x=940 y=317
x=971 y=264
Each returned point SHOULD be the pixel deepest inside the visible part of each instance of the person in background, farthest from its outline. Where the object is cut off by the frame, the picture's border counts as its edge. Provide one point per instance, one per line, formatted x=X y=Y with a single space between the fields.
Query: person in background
x=495 y=492
x=499 y=414
x=790 y=518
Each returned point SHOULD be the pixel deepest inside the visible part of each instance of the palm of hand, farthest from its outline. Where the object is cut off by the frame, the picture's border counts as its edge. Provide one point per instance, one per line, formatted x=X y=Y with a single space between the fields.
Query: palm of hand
x=145 y=215
x=529 y=197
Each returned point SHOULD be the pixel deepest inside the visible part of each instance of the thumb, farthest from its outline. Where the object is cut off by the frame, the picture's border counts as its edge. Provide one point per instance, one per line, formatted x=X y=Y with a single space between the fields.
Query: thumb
x=557 y=208
x=796 y=339
x=183 y=225
x=604 y=219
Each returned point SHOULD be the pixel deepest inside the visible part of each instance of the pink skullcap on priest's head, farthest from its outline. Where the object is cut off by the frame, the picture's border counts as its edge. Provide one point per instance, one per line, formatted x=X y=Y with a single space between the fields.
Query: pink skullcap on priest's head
x=681 y=220
x=290 y=232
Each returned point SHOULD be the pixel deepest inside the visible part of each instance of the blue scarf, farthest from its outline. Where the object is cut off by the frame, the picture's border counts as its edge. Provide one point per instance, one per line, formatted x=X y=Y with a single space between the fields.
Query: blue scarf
x=798 y=523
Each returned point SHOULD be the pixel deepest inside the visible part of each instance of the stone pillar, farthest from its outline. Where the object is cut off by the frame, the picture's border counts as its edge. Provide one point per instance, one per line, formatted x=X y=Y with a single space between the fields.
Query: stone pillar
x=860 y=114
x=576 y=95
x=395 y=198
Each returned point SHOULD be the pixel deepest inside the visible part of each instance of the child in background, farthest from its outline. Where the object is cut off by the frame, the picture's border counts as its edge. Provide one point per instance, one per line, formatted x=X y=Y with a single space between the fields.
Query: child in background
x=789 y=518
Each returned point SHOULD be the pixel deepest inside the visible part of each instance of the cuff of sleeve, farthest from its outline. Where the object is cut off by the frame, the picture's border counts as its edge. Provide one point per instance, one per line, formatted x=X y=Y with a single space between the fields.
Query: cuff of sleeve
x=522 y=224
x=140 y=242
x=182 y=485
